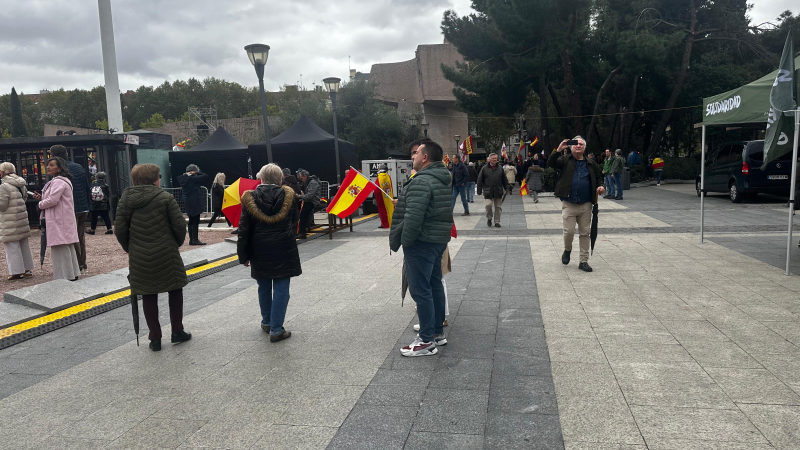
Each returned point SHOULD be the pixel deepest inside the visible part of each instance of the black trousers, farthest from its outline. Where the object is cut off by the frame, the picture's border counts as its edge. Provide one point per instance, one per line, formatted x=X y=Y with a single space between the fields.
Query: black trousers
x=150 y=307
x=104 y=216
x=214 y=218
x=305 y=214
x=194 y=224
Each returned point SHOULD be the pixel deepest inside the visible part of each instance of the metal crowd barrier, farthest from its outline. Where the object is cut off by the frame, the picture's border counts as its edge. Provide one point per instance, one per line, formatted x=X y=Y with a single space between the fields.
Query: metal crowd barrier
x=177 y=193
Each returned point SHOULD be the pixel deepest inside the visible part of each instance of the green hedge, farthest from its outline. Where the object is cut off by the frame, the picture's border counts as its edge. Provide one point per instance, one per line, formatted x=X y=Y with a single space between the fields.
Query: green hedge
x=681 y=168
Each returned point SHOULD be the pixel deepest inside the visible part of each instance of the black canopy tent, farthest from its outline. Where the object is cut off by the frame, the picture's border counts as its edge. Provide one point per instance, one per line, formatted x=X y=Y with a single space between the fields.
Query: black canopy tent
x=221 y=152
x=305 y=145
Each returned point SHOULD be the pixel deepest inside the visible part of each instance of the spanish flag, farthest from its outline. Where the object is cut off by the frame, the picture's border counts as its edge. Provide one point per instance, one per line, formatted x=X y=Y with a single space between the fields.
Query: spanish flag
x=354 y=190
x=535 y=140
x=521 y=146
x=384 y=202
x=468 y=144
x=446 y=159
x=523 y=189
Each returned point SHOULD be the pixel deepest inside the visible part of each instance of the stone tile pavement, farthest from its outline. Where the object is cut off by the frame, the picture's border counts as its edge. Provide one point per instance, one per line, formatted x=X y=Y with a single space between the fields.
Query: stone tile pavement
x=671 y=344
x=668 y=344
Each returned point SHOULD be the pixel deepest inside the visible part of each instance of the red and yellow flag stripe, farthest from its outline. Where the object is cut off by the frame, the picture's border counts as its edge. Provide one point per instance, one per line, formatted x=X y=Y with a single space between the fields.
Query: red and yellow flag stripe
x=354 y=190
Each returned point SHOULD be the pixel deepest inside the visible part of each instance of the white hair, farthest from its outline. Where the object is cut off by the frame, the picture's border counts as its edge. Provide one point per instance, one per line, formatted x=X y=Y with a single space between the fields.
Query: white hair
x=7 y=168
x=271 y=174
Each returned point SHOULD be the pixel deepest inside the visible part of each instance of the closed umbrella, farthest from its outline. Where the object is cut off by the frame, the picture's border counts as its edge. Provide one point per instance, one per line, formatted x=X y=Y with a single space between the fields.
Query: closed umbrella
x=42 y=242
x=593 y=232
x=135 y=314
x=232 y=200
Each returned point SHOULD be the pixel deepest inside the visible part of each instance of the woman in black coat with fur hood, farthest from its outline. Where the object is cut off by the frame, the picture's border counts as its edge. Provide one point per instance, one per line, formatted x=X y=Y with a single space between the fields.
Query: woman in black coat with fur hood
x=268 y=245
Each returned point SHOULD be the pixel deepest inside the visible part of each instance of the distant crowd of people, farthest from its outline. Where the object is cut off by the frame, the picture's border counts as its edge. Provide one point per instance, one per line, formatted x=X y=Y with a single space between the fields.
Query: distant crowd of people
x=150 y=226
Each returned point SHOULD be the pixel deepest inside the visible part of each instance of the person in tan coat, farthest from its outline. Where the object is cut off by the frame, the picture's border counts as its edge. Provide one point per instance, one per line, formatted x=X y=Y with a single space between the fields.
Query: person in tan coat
x=14 y=227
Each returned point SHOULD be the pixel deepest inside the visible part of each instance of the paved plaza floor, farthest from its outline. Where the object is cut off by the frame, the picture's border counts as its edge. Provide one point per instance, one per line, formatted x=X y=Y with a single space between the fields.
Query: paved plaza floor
x=669 y=344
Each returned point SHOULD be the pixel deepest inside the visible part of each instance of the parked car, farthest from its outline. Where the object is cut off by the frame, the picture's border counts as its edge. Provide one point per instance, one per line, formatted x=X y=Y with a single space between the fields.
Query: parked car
x=735 y=168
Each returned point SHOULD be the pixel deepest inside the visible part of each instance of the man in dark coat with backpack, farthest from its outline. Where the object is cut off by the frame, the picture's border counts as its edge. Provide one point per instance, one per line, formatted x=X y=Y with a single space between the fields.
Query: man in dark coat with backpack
x=100 y=203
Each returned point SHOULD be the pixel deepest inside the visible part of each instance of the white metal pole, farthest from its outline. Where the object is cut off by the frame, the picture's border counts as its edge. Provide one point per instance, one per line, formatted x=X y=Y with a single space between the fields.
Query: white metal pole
x=791 y=192
x=702 y=181
x=113 y=105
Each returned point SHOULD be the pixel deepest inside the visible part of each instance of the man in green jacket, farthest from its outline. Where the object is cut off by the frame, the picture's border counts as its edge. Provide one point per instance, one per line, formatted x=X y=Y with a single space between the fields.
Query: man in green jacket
x=609 y=177
x=421 y=224
x=616 y=171
x=576 y=187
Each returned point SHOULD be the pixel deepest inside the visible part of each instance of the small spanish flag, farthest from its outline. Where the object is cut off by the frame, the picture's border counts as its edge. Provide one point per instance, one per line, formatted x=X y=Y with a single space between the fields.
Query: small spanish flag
x=385 y=203
x=523 y=189
x=521 y=146
x=468 y=144
x=446 y=159
x=535 y=140
x=354 y=190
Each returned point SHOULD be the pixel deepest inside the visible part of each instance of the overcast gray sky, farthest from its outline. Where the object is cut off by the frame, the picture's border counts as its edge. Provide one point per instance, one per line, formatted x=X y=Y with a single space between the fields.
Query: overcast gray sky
x=50 y=44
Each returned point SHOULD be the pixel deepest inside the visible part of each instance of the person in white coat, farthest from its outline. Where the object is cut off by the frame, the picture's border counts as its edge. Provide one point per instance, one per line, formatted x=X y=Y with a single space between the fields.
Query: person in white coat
x=14 y=227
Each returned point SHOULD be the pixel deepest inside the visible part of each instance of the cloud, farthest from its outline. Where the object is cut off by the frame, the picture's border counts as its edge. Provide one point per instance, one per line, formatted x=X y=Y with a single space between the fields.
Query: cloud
x=50 y=44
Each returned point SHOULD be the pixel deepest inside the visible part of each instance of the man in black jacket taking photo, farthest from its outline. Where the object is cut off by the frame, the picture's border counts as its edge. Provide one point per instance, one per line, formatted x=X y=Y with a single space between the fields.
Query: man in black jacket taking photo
x=576 y=187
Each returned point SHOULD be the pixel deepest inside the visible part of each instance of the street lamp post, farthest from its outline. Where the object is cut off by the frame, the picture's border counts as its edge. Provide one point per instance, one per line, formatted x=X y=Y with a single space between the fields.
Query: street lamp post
x=425 y=128
x=258 y=54
x=458 y=142
x=332 y=84
x=414 y=122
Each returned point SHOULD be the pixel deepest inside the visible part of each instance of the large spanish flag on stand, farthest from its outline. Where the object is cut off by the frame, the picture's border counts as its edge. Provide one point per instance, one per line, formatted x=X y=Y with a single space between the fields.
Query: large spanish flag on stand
x=354 y=190
x=384 y=202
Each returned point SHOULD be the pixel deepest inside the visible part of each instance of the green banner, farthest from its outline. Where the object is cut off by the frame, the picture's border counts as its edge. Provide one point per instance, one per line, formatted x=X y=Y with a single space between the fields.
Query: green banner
x=780 y=122
x=746 y=104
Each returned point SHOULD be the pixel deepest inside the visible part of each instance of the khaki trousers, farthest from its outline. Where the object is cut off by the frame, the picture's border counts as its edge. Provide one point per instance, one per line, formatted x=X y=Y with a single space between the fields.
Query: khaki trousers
x=580 y=213
x=498 y=208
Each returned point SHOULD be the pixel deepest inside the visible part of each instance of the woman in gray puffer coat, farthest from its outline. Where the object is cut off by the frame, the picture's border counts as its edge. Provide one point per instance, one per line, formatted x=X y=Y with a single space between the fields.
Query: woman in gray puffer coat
x=14 y=227
x=535 y=181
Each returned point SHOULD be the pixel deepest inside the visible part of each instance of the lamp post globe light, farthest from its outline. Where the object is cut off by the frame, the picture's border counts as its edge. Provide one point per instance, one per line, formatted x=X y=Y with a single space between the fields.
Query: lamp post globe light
x=332 y=85
x=425 y=128
x=258 y=54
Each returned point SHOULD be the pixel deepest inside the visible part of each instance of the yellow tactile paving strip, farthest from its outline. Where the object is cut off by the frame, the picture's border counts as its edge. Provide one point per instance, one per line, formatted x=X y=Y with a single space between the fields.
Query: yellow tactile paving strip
x=49 y=318
x=19 y=328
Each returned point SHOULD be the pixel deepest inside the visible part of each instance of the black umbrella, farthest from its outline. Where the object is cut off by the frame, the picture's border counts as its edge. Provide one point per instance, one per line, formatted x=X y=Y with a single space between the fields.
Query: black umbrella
x=43 y=242
x=403 y=285
x=593 y=233
x=135 y=313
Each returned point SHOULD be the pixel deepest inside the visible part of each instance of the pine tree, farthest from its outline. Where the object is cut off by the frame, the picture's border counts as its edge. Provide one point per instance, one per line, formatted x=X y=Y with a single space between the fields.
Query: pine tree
x=17 y=125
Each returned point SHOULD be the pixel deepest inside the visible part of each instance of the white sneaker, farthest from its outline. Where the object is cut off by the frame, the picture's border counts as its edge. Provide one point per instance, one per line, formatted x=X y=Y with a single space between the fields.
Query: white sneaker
x=419 y=348
x=416 y=327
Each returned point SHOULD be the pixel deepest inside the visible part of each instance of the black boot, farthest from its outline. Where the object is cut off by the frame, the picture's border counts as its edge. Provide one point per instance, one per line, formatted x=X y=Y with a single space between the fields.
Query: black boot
x=565 y=257
x=585 y=267
x=155 y=345
x=181 y=336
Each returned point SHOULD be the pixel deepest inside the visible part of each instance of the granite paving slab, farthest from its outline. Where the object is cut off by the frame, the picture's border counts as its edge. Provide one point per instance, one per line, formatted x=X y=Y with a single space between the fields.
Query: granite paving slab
x=50 y=296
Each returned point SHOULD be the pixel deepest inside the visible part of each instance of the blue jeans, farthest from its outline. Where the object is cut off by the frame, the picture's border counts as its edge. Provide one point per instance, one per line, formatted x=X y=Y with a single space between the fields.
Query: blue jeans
x=460 y=190
x=618 y=182
x=424 y=275
x=610 y=184
x=470 y=191
x=658 y=176
x=273 y=297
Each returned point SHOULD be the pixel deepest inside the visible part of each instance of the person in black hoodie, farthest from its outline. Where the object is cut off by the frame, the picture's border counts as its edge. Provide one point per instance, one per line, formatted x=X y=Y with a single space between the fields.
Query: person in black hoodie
x=267 y=244
x=191 y=183
x=100 y=203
